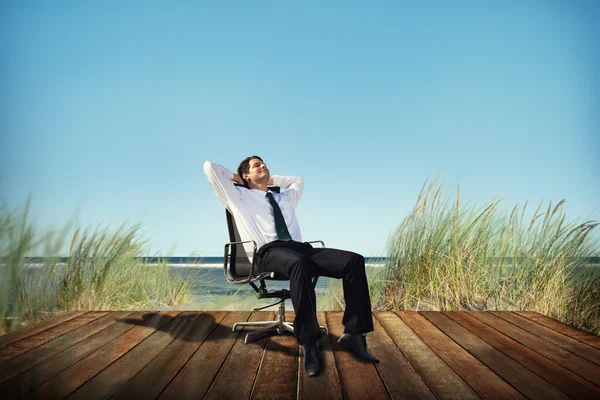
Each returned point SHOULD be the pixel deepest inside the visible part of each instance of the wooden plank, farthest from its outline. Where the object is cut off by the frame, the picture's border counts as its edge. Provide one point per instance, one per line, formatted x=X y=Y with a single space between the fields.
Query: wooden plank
x=565 y=358
x=150 y=382
x=35 y=376
x=13 y=367
x=76 y=359
x=78 y=374
x=325 y=386
x=565 y=329
x=114 y=377
x=359 y=379
x=574 y=346
x=238 y=373
x=399 y=377
x=21 y=346
x=567 y=381
x=37 y=327
x=439 y=377
x=194 y=379
x=277 y=376
x=483 y=381
x=521 y=378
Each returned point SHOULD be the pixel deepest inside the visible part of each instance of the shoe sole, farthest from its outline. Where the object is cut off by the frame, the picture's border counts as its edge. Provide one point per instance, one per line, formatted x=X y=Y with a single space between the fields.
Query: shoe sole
x=351 y=350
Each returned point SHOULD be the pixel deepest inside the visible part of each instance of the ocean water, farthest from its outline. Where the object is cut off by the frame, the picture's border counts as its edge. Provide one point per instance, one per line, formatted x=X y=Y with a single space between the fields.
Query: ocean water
x=207 y=279
x=209 y=283
x=210 y=289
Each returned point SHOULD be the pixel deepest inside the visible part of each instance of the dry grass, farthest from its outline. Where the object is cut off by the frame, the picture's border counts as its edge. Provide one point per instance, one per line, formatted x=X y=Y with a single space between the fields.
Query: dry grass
x=105 y=270
x=445 y=256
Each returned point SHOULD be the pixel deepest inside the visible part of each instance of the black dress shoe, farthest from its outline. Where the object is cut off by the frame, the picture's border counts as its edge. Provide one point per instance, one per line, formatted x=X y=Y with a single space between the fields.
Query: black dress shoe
x=356 y=343
x=312 y=361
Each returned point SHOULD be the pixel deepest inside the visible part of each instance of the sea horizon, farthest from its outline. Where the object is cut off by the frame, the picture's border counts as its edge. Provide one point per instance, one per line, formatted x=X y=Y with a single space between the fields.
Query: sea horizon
x=175 y=261
x=215 y=259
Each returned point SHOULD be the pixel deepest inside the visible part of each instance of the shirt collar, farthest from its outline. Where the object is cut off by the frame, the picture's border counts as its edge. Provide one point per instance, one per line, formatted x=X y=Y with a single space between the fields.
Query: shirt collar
x=258 y=191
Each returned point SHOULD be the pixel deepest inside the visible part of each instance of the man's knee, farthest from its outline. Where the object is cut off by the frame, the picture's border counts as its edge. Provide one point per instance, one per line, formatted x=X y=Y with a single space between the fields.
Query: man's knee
x=357 y=259
x=299 y=266
x=356 y=263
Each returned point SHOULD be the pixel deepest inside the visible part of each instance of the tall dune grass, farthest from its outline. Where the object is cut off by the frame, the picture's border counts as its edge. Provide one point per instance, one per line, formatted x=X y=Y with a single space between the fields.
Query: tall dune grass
x=444 y=256
x=105 y=270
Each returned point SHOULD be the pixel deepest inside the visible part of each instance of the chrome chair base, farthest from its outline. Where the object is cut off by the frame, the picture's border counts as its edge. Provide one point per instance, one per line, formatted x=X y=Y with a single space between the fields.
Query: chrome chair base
x=279 y=326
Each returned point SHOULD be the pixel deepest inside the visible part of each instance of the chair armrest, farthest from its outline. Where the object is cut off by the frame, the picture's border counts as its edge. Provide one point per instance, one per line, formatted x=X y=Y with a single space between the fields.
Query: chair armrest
x=318 y=241
x=251 y=277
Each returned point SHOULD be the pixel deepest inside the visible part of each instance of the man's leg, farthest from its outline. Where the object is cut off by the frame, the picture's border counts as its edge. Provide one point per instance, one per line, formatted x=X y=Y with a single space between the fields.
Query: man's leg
x=350 y=267
x=358 y=319
x=289 y=261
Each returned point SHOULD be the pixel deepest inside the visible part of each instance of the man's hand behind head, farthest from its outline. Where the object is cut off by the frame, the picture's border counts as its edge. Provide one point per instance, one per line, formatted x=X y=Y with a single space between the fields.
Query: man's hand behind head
x=236 y=178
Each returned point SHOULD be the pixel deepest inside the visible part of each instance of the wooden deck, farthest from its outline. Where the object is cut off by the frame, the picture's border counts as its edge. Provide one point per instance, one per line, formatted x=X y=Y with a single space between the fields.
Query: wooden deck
x=180 y=355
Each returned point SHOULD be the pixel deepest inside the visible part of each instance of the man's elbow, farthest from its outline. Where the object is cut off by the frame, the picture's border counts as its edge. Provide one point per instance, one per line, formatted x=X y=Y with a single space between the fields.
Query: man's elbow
x=208 y=168
x=298 y=184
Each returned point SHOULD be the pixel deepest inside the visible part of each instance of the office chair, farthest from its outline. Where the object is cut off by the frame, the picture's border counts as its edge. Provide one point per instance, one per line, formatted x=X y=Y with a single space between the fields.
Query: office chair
x=239 y=270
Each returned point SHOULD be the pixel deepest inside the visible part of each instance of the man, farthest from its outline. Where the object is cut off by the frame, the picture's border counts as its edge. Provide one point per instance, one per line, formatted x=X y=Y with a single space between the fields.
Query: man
x=269 y=219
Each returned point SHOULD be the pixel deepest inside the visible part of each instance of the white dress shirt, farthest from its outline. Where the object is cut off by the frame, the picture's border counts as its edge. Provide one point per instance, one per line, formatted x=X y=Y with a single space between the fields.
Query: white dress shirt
x=251 y=208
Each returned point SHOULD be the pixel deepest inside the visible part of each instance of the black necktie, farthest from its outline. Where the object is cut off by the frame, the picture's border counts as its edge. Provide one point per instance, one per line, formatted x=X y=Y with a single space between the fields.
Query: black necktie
x=280 y=226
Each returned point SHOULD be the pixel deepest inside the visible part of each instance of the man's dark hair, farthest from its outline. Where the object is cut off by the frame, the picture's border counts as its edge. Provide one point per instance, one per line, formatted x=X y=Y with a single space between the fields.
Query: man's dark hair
x=244 y=168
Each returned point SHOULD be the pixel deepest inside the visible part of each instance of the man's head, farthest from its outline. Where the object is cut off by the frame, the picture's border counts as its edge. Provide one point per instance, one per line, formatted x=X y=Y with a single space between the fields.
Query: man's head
x=253 y=170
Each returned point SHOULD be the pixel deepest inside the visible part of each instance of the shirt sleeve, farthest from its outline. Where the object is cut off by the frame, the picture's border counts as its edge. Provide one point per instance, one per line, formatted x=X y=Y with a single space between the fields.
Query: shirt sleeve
x=220 y=179
x=294 y=186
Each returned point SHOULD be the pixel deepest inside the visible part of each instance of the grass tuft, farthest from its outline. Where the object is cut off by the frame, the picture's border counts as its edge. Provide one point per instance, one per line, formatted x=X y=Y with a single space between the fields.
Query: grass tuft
x=446 y=256
x=106 y=270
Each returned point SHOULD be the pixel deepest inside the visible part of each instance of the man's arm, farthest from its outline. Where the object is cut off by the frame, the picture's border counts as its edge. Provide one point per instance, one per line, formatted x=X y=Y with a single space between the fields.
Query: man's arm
x=294 y=186
x=220 y=178
x=236 y=178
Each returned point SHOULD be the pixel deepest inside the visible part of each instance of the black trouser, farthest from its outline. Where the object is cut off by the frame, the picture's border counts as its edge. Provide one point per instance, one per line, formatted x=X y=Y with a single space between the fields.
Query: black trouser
x=299 y=262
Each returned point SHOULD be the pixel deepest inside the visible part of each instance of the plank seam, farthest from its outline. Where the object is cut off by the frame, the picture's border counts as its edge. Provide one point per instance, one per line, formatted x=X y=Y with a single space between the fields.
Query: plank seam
x=436 y=353
x=191 y=323
x=59 y=336
x=60 y=372
x=553 y=330
x=117 y=359
x=262 y=357
x=404 y=355
x=387 y=390
x=39 y=361
x=481 y=361
x=510 y=337
x=335 y=361
x=192 y=356
x=546 y=339
x=225 y=358
x=534 y=350
x=298 y=383
x=517 y=361
x=15 y=333
x=261 y=361
x=584 y=332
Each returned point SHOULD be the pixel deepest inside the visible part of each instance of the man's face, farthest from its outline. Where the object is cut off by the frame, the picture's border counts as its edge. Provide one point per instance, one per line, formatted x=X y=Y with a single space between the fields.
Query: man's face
x=257 y=172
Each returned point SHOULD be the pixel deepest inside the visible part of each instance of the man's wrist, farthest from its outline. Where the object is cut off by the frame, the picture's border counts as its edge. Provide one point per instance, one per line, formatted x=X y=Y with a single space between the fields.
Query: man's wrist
x=236 y=178
x=275 y=180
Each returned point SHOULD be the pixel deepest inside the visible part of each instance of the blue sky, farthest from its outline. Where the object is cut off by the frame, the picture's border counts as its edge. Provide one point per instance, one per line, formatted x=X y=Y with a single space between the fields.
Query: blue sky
x=108 y=111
